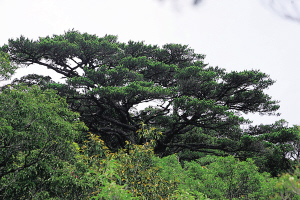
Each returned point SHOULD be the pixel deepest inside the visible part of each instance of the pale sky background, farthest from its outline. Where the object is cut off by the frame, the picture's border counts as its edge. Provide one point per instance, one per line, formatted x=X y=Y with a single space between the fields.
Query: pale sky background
x=233 y=34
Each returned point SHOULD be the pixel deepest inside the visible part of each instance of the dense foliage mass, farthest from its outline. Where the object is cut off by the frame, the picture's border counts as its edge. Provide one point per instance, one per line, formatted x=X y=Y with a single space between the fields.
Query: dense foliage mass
x=36 y=133
x=162 y=125
x=6 y=69
x=107 y=82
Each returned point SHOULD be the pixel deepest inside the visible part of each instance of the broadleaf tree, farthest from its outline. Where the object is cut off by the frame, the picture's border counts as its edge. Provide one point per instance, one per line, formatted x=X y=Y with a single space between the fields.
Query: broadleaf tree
x=37 y=134
x=7 y=69
x=118 y=87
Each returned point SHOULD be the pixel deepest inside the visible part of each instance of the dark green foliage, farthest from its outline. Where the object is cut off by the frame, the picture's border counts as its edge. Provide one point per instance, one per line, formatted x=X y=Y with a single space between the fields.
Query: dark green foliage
x=6 y=67
x=40 y=160
x=107 y=80
x=37 y=131
x=276 y=147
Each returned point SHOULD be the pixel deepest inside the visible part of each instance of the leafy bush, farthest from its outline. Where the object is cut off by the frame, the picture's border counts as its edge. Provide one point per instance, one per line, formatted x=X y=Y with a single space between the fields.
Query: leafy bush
x=37 y=154
x=288 y=186
x=130 y=172
x=226 y=177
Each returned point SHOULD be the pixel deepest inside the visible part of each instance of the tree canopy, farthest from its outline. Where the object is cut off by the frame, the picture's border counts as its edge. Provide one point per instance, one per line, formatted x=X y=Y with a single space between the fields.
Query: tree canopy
x=119 y=88
x=6 y=67
x=37 y=131
x=139 y=102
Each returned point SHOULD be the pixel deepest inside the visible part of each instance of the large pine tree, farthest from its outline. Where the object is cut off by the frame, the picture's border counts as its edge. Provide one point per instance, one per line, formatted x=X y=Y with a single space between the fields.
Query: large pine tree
x=119 y=88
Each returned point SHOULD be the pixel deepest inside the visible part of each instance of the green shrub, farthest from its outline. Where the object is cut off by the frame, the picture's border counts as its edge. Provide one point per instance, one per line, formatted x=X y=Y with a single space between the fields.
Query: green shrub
x=226 y=177
x=288 y=186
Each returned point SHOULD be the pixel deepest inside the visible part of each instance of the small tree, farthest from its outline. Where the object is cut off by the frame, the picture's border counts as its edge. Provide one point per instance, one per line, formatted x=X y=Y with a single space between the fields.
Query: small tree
x=133 y=172
x=6 y=68
x=276 y=145
x=37 y=131
x=228 y=178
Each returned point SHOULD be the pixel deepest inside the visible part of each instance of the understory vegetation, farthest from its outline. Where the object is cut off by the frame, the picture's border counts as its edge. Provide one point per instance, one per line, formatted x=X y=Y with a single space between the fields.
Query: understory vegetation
x=87 y=138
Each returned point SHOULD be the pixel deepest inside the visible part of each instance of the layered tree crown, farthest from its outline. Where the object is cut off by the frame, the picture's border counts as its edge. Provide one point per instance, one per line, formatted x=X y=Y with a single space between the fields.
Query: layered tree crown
x=107 y=80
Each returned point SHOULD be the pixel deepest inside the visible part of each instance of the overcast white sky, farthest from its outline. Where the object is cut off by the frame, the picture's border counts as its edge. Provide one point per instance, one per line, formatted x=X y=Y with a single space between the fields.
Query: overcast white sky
x=233 y=34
